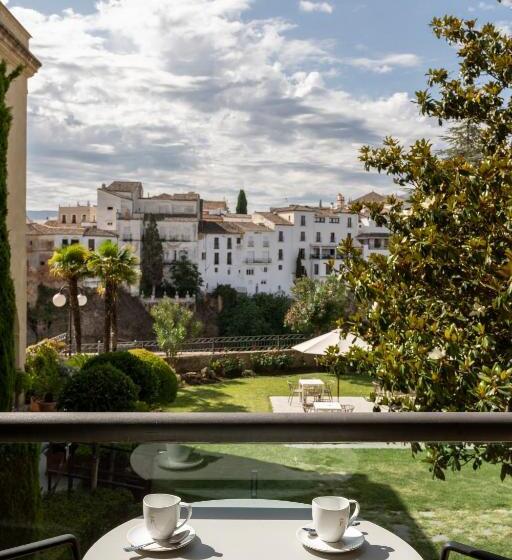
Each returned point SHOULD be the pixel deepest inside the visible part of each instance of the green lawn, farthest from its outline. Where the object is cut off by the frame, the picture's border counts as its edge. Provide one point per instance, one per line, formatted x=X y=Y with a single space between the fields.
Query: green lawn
x=252 y=394
x=395 y=490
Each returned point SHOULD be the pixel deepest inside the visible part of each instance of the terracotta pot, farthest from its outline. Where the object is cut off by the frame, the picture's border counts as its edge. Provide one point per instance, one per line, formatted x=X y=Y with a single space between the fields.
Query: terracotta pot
x=34 y=405
x=47 y=406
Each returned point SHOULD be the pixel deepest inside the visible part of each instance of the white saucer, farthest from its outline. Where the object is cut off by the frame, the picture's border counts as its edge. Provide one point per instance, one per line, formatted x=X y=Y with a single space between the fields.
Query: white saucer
x=138 y=535
x=166 y=462
x=351 y=540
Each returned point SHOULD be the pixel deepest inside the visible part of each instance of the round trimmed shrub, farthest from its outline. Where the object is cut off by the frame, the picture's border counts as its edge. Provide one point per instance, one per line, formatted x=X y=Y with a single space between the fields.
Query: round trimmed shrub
x=167 y=380
x=99 y=388
x=139 y=372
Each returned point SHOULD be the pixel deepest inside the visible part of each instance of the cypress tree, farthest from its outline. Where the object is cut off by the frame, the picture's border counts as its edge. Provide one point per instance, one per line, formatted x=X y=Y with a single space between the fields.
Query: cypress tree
x=300 y=272
x=19 y=475
x=7 y=298
x=152 y=258
x=241 y=204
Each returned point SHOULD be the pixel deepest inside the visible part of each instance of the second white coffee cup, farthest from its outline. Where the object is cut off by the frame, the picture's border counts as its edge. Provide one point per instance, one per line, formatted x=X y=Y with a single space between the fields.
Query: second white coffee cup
x=331 y=516
x=162 y=514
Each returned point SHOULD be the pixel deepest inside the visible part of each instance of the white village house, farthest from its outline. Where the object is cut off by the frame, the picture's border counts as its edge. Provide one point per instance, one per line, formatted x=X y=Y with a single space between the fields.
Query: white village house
x=251 y=252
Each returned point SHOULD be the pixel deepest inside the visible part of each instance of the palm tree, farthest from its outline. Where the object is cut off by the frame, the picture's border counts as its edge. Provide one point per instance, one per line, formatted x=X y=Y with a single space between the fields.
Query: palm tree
x=114 y=266
x=70 y=264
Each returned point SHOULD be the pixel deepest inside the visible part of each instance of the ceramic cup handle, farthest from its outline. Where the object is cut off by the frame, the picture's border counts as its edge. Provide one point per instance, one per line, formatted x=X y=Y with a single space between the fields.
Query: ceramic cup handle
x=356 y=511
x=189 y=514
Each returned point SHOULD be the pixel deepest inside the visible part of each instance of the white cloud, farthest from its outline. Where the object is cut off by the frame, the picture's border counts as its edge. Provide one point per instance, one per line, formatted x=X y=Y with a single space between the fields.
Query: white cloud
x=307 y=6
x=386 y=63
x=193 y=96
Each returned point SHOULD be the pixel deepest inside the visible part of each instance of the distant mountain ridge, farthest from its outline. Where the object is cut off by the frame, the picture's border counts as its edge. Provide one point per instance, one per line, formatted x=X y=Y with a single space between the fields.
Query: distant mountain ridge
x=41 y=215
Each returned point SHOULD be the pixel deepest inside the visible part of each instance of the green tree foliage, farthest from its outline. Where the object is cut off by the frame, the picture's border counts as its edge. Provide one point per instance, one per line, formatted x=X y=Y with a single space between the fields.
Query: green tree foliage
x=437 y=312
x=167 y=380
x=152 y=259
x=139 y=371
x=19 y=475
x=43 y=314
x=42 y=366
x=99 y=388
x=70 y=265
x=317 y=305
x=244 y=315
x=20 y=506
x=173 y=324
x=241 y=203
x=300 y=271
x=114 y=266
x=184 y=278
x=464 y=139
x=7 y=297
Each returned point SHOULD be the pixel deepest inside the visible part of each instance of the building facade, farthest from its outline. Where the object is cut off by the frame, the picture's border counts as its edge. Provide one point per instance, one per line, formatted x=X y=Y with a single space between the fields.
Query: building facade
x=44 y=239
x=253 y=253
x=77 y=214
x=14 y=49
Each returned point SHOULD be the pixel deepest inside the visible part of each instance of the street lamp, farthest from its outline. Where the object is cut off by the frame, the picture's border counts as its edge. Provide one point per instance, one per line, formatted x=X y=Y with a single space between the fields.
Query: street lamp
x=60 y=300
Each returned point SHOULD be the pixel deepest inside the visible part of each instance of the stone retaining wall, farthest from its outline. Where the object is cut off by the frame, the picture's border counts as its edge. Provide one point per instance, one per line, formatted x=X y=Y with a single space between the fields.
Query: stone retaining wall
x=196 y=361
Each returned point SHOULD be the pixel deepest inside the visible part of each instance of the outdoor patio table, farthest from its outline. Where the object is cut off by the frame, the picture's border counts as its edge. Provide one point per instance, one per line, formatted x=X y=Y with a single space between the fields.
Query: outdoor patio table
x=306 y=385
x=322 y=406
x=252 y=530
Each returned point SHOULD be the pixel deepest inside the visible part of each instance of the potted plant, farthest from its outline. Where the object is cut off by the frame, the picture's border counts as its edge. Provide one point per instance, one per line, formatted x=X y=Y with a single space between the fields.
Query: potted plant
x=44 y=374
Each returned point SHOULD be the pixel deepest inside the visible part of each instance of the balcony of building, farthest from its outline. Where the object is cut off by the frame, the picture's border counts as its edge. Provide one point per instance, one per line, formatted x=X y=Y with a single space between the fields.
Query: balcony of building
x=251 y=479
x=257 y=260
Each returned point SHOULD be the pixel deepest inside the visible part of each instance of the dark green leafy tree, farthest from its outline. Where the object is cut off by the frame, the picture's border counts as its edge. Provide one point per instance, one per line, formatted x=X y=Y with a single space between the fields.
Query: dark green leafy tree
x=317 y=306
x=151 y=259
x=70 y=265
x=114 y=266
x=19 y=475
x=185 y=278
x=438 y=311
x=241 y=203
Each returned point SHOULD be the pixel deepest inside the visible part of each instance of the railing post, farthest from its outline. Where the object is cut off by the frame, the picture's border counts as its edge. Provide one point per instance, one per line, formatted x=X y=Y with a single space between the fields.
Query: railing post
x=213 y=346
x=99 y=347
x=278 y=342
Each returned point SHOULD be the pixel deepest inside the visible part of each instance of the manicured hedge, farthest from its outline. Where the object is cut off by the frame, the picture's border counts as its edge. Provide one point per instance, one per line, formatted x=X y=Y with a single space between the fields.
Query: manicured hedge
x=271 y=362
x=99 y=388
x=139 y=372
x=167 y=380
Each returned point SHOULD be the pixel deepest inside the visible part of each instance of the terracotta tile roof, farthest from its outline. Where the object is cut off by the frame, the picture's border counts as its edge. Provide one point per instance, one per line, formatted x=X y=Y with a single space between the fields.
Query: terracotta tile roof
x=228 y=227
x=371 y=197
x=123 y=186
x=93 y=231
x=215 y=205
x=176 y=196
x=274 y=218
x=294 y=208
x=34 y=228
x=212 y=227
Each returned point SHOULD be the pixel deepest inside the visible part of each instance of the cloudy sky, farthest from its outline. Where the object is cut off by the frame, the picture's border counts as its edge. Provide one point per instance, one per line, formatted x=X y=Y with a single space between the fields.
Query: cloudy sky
x=216 y=95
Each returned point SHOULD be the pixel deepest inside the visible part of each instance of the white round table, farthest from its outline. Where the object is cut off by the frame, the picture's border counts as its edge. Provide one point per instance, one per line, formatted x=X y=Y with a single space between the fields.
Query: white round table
x=253 y=530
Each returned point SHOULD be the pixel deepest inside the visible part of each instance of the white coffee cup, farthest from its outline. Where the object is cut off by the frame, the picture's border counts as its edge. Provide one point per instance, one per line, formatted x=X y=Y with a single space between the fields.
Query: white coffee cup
x=178 y=453
x=162 y=515
x=331 y=516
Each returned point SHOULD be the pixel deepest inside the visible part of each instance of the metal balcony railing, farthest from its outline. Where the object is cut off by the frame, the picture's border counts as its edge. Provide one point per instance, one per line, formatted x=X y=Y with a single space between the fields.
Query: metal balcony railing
x=219 y=427
x=258 y=260
x=213 y=344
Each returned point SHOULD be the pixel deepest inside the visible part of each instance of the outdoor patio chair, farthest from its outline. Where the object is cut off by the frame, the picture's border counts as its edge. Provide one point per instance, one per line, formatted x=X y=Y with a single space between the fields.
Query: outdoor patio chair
x=40 y=546
x=470 y=551
x=293 y=391
x=327 y=392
